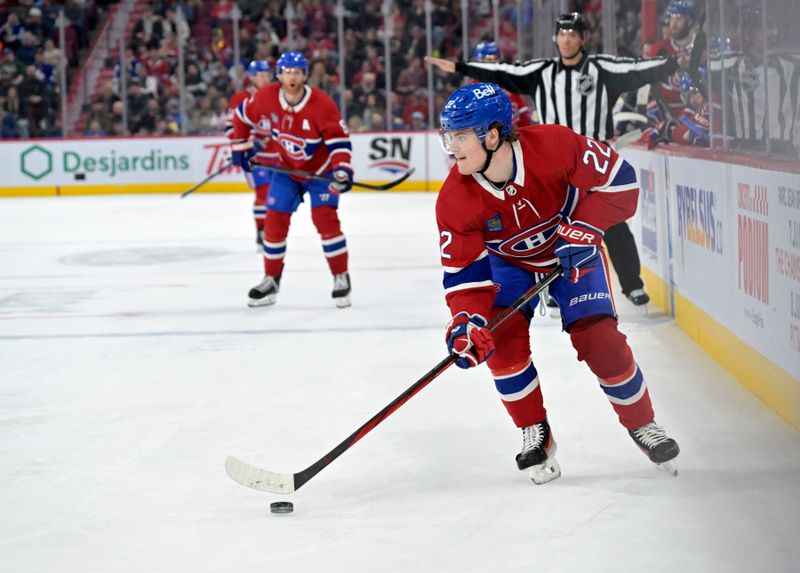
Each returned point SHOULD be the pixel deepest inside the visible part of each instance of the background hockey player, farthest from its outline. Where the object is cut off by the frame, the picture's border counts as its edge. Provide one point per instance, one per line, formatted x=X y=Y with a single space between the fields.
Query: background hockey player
x=311 y=137
x=508 y=212
x=578 y=90
x=489 y=52
x=259 y=74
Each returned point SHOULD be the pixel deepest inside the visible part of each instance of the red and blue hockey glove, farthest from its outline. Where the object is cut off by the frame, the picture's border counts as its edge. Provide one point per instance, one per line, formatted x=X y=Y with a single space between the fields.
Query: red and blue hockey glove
x=468 y=337
x=344 y=180
x=578 y=249
x=242 y=151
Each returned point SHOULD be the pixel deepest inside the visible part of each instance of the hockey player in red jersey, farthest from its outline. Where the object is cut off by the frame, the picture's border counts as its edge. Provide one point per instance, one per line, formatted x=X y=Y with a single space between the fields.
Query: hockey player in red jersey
x=489 y=52
x=516 y=204
x=259 y=74
x=311 y=137
x=679 y=44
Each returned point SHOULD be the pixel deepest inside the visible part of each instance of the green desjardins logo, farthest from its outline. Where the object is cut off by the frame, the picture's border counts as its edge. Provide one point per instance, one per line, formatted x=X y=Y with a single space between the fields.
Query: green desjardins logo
x=36 y=162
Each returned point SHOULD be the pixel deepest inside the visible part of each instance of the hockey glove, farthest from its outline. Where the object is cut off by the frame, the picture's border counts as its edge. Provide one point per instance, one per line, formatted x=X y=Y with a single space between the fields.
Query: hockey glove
x=344 y=180
x=578 y=249
x=468 y=337
x=242 y=151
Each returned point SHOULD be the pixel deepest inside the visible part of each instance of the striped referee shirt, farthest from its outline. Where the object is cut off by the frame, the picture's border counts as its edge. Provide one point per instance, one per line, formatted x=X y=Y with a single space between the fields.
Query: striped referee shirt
x=748 y=110
x=581 y=96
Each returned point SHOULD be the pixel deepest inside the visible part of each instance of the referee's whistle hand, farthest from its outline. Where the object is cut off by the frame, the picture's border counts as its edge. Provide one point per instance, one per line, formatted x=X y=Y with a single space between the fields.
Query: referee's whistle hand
x=441 y=63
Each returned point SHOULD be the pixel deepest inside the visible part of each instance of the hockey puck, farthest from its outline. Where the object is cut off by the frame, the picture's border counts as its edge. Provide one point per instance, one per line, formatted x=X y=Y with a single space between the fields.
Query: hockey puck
x=281 y=507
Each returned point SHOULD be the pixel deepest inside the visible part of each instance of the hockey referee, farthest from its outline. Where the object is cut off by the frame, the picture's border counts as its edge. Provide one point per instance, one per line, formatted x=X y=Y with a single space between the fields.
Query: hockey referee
x=579 y=90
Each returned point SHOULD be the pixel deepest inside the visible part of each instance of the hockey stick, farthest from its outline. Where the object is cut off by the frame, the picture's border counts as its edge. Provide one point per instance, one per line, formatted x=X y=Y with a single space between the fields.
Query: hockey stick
x=630 y=116
x=300 y=173
x=264 y=480
x=206 y=180
x=626 y=139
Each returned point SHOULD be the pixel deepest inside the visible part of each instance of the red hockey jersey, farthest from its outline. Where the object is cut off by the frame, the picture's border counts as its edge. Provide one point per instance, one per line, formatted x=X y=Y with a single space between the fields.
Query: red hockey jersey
x=310 y=135
x=669 y=88
x=267 y=153
x=559 y=176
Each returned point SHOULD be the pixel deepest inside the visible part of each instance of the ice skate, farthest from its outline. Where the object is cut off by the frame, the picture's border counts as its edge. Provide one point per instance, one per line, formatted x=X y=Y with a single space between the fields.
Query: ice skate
x=538 y=453
x=341 y=290
x=265 y=292
x=552 y=307
x=661 y=449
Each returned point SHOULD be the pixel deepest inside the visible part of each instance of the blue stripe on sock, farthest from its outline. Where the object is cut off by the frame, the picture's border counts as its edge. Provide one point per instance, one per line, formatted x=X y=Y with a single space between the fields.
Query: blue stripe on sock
x=625 y=391
x=517 y=382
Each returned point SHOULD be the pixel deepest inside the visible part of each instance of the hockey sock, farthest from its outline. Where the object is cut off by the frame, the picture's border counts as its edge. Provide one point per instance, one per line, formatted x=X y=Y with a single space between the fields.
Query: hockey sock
x=260 y=206
x=606 y=352
x=334 y=244
x=276 y=228
x=515 y=376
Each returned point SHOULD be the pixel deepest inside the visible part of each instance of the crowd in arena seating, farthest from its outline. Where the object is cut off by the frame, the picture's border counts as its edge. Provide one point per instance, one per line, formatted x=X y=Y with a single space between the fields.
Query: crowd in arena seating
x=31 y=61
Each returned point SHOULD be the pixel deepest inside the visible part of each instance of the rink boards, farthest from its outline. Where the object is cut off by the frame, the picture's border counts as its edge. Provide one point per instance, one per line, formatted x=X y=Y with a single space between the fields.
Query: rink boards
x=173 y=164
x=720 y=247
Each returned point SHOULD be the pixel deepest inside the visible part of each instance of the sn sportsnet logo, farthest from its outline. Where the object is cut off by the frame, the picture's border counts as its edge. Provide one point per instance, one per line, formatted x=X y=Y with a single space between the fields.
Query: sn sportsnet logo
x=588 y=297
x=485 y=92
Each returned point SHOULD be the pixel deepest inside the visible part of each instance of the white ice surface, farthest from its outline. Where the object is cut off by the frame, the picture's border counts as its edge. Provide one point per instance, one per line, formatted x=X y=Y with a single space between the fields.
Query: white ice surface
x=130 y=368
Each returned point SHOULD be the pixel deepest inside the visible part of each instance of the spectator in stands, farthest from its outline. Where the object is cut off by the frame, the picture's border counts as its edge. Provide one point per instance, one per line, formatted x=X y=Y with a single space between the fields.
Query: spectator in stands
x=34 y=97
x=53 y=55
x=11 y=31
x=13 y=123
x=10 y=69
x=95 y=129
x=411 y=78
x=137 y=103
x=149 y=30
x=33 y=23
x=418 y=122
x=26 y=53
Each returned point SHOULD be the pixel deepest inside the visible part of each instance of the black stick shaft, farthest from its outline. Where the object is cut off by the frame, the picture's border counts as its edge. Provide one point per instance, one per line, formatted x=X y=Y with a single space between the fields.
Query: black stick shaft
x=302 y=477
x=206 y=180
x=306 y=174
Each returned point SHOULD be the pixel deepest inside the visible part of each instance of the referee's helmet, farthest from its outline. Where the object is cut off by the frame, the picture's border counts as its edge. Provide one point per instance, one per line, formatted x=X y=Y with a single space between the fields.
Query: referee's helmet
x=478 y=107
x=572 y=21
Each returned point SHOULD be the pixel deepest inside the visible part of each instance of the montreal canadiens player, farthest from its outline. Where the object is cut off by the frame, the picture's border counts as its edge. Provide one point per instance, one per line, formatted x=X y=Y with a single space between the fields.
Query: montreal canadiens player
x=259 y=74
x=516 y=204
x=311 y=136
x=489 y=52
x=679 y=45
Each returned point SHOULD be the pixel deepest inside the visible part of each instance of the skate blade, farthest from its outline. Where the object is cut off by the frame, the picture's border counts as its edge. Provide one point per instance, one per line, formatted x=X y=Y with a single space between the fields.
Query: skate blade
x=342 y=301
x=670 y=467
x=266 y=301
x=554 y=313
x=545 y=472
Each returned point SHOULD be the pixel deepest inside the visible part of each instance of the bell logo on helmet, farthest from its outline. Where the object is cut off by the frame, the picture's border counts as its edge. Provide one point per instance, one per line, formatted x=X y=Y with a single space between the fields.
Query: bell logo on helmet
x=485 y=91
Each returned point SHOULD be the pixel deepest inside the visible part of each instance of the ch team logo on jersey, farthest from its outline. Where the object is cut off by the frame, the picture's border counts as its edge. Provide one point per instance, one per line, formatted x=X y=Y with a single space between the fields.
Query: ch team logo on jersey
x=530 y=242
x=264 y=125
x=295 y=147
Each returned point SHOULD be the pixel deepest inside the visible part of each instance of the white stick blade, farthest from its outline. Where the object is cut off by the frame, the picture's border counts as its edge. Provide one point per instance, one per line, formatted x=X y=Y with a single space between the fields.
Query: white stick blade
x=259 y=479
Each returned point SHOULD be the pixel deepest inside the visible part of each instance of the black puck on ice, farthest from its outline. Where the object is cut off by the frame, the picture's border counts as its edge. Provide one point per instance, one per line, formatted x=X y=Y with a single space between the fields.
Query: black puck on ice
x=281 y=507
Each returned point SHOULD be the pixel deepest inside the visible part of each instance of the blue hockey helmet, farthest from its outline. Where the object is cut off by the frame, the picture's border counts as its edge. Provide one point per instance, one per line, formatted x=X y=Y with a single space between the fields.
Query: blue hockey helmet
x=292 y=60
x=257 y=66
x=478 y=107
x=681 y=8
x=486 y=50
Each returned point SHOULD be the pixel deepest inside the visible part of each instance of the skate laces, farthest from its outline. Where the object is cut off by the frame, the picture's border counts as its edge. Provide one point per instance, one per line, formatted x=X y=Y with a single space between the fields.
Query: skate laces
x=532 y=436
x=340 y=282
x=650 y=435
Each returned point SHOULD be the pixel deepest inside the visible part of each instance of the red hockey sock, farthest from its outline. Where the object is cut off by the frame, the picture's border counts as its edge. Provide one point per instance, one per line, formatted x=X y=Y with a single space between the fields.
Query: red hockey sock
x=276 y=229
x=515 y=376
x=606 y=352
x=260 y=206
x=334 y=244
